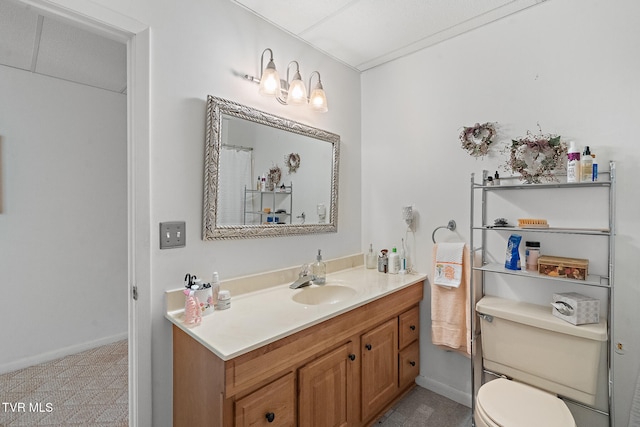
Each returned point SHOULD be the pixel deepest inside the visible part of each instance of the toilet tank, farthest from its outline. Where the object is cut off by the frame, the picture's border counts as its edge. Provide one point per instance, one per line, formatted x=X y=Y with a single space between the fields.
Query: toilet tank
x=526 y=342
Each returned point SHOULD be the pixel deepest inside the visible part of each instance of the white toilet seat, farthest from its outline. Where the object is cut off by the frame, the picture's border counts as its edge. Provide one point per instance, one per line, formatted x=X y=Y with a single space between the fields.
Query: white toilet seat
x=504 y=403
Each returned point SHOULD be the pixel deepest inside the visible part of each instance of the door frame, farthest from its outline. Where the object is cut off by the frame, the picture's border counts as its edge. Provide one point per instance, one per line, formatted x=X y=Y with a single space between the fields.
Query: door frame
x=105 y=22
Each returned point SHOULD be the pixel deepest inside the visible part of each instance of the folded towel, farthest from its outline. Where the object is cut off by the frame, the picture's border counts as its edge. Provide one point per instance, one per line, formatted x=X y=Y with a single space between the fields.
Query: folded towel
x=450 y=321
x=448 y=264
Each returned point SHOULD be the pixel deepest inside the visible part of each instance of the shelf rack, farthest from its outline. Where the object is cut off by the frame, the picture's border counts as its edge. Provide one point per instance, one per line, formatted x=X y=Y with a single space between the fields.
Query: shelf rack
x=272 y=195
x=606 y=282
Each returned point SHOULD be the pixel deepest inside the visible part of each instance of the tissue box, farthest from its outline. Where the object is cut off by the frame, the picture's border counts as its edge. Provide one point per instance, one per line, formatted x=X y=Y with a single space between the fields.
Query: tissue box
x=582 y=309
x=569 y=268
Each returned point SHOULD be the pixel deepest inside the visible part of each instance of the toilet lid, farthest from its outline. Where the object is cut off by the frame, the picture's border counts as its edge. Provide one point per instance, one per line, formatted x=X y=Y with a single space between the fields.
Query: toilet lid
x=510 y=403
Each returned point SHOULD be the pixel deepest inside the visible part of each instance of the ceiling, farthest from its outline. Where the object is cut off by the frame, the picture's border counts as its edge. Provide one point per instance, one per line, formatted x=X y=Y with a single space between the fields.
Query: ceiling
x=33 y=42
x=359 y=33
x=367 y=33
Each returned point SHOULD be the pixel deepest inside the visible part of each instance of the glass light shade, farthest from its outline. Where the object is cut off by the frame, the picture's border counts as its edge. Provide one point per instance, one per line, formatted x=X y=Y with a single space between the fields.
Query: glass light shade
x=297 y=94
x=270 y=81
x=318 y=100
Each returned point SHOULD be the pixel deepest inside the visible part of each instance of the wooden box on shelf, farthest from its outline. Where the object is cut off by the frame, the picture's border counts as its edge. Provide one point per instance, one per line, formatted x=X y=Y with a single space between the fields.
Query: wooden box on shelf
x=570 y=268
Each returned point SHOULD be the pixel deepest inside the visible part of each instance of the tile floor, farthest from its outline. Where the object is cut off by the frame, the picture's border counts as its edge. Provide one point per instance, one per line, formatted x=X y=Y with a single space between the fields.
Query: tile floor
x=424 y=408
x=85 y=389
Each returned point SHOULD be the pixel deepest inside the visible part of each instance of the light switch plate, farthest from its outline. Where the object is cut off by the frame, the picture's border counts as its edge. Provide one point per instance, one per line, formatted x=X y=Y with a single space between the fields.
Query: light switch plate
x=173 y=234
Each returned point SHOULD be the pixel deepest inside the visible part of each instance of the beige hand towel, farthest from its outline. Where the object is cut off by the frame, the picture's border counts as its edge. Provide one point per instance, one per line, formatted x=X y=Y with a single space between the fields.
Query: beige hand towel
x=450 y=325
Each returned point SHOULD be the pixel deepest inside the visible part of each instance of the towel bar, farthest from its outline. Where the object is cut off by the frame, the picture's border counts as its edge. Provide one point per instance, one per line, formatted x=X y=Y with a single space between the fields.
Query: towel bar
x=451 y=226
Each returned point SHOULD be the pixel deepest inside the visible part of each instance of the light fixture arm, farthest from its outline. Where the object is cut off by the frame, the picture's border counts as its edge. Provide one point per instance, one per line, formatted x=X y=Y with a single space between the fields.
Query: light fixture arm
x=262 y=60
x=319 y=80
x=285 y=86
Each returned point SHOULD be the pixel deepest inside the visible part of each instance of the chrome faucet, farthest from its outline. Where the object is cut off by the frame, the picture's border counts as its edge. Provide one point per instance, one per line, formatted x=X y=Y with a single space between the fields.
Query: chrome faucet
x=304 y=278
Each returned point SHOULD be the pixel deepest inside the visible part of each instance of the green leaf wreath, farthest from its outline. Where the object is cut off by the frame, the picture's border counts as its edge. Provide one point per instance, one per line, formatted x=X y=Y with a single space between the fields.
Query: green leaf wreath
x=536 y=157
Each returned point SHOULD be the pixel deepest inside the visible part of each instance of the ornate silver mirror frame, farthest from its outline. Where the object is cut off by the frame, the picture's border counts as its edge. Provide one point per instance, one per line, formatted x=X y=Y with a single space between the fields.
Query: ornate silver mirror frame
x=211 y=229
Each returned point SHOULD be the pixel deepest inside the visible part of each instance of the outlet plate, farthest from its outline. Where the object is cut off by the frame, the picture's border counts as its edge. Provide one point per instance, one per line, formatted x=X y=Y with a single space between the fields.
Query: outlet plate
x=173 y=234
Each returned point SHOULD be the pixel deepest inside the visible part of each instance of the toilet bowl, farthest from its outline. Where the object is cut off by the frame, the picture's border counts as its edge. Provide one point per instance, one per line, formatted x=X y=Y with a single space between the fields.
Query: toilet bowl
x=505 y=403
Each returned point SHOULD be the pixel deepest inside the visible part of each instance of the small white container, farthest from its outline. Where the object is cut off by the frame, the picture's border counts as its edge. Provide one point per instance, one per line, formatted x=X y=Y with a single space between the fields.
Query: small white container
x=224 y=300
x=205 y=299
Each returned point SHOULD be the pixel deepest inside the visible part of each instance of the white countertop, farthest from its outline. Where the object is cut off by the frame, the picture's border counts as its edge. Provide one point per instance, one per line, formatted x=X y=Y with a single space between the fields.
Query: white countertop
x=264 y=316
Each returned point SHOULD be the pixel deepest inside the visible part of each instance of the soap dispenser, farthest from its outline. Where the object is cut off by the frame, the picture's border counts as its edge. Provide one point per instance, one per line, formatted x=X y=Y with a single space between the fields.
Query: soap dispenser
x=370 y=258
x=319 y=270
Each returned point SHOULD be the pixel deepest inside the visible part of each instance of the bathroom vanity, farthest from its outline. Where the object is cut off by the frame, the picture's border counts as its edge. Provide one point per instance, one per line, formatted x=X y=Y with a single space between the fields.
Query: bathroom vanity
x=311 y=356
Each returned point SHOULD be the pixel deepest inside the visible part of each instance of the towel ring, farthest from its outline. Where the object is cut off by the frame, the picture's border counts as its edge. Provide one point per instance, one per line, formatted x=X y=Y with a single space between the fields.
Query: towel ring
x=451 y=226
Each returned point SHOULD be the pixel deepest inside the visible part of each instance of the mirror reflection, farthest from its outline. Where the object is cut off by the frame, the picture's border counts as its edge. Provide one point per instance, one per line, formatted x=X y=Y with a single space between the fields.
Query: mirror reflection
x=266 y=175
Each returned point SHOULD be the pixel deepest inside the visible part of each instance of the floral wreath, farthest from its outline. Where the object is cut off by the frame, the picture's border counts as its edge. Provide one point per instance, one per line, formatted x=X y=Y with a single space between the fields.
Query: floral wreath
x=535 y=157
x=476 y=139
x=275 y=174
x=292 y=161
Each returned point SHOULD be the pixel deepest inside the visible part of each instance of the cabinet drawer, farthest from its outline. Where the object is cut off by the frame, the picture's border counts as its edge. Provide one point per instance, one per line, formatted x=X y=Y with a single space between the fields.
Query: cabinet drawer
x=409 y=327
x=271 y=405
x=409 y=364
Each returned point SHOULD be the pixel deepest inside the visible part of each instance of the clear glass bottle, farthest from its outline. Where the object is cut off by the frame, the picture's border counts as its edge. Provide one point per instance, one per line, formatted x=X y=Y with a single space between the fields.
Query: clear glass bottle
x=319 y=270
x=370 y=258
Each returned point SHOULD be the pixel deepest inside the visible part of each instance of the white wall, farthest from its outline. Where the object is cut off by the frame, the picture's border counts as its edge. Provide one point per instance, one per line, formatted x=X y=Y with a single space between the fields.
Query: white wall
x=204 y=47
x=63 y=222
x=568 y=65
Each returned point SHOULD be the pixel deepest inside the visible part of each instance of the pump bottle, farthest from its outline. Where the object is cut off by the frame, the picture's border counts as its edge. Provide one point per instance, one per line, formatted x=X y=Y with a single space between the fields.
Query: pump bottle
x=319 y=270
x=370 y=258
x=573 y=163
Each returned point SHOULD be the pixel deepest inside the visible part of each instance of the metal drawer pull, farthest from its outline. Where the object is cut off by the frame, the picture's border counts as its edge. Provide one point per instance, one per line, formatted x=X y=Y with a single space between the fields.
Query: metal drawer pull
x=270 y=416
x=412 y=363
x=368 y=346
x=352 y=356
x=412 y=327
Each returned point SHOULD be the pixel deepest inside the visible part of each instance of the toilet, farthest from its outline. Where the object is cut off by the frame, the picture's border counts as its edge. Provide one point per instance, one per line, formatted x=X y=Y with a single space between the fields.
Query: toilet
x=543 y=356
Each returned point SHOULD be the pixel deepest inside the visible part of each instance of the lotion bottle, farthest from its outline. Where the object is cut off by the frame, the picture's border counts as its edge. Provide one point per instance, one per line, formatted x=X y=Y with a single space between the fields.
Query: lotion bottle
x=594 y=173
x=394 y=261
x=586 y=165
x=573 y=163
x=319 y=270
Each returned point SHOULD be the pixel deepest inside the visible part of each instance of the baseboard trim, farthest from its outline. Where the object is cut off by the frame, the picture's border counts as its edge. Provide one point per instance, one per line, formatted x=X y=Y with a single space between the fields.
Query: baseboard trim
x=445 y=390
x=61 y=352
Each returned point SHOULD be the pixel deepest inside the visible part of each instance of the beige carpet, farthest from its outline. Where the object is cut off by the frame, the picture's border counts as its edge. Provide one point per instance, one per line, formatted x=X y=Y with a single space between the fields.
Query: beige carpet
x=84 y=389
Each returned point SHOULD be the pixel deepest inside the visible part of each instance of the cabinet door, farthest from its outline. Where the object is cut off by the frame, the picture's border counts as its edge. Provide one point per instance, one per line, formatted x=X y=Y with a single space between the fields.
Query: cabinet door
x=379 y=367
x=326 y=388
x=409 y=364
x=409 y=327
x=271 y=405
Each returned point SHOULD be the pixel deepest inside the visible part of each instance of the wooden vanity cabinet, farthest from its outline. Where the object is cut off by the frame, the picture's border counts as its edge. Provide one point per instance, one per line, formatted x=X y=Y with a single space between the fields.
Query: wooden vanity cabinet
x=409 y=355
x=327 y=388
x=271 y=405
x=379 y=348
x=324 y=375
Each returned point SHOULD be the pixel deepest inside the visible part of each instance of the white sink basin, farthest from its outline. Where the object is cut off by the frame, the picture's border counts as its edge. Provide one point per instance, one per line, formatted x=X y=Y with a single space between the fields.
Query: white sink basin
x=327 y=294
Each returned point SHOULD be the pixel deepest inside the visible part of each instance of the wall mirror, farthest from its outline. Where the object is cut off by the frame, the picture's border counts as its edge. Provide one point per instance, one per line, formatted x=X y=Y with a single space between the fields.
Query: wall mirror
x=266 y=175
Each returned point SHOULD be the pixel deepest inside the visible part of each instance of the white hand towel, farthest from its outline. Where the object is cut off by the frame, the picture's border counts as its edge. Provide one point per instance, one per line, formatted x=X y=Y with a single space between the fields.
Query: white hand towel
x=447 y=270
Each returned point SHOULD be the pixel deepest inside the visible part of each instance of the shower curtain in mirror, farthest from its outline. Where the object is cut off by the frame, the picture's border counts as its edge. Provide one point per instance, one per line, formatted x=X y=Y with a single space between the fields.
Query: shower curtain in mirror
x=235 y=174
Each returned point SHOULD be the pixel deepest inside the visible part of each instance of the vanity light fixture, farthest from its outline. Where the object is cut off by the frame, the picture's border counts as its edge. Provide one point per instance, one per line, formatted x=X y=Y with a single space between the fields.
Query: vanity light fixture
x=318 y=99
x=288 y=92
x=269 y=78
x=296 y=92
